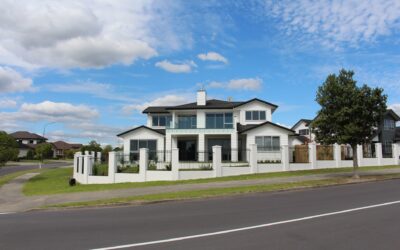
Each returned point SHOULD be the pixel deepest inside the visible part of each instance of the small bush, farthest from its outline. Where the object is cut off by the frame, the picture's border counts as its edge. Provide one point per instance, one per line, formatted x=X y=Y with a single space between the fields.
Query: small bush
x=168 y=167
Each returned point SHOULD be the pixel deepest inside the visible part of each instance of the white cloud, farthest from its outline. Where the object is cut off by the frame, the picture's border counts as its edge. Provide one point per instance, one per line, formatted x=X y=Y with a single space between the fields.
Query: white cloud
x=212 y=56
x=335 y=22
x=238 y=84
x=8 y=103
x=101 y=90
x=86 y=34
x=395 y=107
x=184 y=67
x=11 y=81
x=167 y=100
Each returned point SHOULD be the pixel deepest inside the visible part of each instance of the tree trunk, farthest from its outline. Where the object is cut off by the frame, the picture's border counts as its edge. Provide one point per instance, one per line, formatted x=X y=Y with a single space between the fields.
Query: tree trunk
x=355 y=162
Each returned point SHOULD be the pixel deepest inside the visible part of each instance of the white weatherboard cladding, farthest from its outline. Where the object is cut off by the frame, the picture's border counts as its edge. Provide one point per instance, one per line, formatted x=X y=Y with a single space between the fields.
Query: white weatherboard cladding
x=267 y=130
x=256 y=105
x=294 y=141
x=301 y=125
x=142 y=134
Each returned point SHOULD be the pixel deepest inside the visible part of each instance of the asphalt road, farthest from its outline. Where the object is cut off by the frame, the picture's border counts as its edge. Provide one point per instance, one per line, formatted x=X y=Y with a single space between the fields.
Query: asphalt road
x=12 y=169
x=368 y=228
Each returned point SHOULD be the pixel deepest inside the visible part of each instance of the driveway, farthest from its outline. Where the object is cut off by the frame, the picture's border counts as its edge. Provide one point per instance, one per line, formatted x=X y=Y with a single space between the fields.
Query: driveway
x=29 y=166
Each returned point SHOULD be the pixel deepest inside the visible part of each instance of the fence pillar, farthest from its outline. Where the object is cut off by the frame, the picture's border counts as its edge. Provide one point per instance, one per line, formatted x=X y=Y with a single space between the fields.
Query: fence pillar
x=87 y=168
x=217 y=166
x=337 y=154
x=312 y=155
x=202 y=148
x=143 y=162
x=253 y=159
x=234 y=147
x=112 y=165
x=285 y=158
x=175 y=164
x=76 y=164
x=396 y=153
x=359 y=155
x=378 y=152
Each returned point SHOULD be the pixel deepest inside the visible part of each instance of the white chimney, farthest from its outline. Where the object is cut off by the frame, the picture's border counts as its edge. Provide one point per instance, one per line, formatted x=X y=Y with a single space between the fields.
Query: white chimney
x=201 y=97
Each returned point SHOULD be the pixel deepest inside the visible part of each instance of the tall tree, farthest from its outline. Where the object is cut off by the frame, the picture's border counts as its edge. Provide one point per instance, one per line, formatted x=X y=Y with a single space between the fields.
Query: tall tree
x=92 y=146
x=349 y=114
x=8 y=148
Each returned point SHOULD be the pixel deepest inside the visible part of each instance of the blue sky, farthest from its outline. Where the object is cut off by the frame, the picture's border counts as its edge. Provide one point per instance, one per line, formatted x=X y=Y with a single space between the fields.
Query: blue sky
x=92 y=66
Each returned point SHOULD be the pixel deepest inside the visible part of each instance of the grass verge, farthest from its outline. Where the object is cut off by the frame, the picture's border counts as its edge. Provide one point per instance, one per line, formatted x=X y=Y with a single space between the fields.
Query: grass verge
x=215 y=192
x=55 y=181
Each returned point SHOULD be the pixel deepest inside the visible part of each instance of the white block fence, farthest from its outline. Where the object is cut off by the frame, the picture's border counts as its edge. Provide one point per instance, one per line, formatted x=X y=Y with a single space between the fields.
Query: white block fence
x=173 y=169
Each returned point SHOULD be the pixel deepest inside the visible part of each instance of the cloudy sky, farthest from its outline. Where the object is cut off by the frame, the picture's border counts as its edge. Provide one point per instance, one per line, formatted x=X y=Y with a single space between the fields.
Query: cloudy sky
x=92 y=66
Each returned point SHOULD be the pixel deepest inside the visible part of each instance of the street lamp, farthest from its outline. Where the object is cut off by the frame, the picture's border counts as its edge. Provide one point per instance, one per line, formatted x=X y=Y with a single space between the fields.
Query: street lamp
x=44 y=131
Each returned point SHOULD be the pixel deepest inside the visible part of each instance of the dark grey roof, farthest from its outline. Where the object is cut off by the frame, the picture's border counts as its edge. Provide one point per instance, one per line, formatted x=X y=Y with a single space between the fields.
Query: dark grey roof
x=156 y=109
x=301 y=138
x=306 y=121
x=26 y=135
x=210 y=104
x=160 y=131
x=245 y=128
x=393 y=114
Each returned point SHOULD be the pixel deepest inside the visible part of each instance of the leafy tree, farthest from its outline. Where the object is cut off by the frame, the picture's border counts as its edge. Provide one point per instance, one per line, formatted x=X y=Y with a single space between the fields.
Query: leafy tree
x=349 y=114
x=69 y=153
x=44 y=151
x=104 y=154
x=92 y=146
x=30 y=155
x=8 y=148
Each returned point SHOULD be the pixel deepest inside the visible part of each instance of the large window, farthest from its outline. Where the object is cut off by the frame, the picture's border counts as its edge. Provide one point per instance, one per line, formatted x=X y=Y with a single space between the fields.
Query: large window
x=304 y=131
x=268 y=143
x=255 y=115
x=388 y=124
x=161 y=120
x=137 y=144
x=219 y=120
x=187 y=121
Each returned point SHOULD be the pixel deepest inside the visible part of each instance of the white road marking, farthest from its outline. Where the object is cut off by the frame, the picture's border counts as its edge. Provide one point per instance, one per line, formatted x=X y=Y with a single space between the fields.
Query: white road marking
x=248 y=228
x=7 y=213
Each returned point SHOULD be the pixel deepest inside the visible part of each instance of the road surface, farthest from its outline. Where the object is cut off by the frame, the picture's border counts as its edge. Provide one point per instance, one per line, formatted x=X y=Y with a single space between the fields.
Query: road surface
x=359 y=216
x=12 y=169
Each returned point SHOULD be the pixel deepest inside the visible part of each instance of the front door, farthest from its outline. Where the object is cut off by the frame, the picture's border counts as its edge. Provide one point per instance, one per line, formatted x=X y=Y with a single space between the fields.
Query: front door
x=187 y=150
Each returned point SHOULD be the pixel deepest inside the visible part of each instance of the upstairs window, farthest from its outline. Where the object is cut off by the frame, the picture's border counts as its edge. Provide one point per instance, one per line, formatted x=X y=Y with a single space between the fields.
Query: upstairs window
x=256 y=115
x=219 y=120
x=388 y=124
x=161 y=120
x=187 y=121
x=304 y=131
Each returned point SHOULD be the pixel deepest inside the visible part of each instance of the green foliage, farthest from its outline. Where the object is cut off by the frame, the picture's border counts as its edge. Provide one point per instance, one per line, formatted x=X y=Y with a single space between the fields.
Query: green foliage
x=349 y=114
x=44 y=151
x=69 y=153
x=92 y=146
x=30 y=155
x=8 y=148
x=100 y=169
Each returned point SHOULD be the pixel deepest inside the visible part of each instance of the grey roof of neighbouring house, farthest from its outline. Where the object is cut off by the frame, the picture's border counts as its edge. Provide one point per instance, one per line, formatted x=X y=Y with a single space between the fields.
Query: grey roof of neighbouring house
x=245 y=128
x=25 y=135
x=210 y=104
x=65 y=145
x=306 y=121
x=393 y=114
x=160 y=131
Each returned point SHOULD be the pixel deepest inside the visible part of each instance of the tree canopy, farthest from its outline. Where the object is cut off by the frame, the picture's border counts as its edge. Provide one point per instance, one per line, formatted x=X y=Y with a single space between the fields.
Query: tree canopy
x=8 y=148
x=92 y=146
x=349 y=114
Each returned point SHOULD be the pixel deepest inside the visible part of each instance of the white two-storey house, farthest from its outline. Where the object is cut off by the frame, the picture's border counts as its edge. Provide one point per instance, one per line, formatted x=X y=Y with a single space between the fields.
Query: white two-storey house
x=195 y=127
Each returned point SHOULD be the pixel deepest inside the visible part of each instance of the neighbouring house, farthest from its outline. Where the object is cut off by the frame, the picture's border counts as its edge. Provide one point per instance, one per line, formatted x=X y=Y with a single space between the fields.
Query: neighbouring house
x=386 y=133
x=196 y=127
x=60 y=147
x=27 y=141
x=303 y=129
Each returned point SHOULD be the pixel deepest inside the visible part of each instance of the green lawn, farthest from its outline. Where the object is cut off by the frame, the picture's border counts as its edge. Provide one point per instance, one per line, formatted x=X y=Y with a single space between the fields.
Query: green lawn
x=55 y=181
x=6 y=178
x=214 y=192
